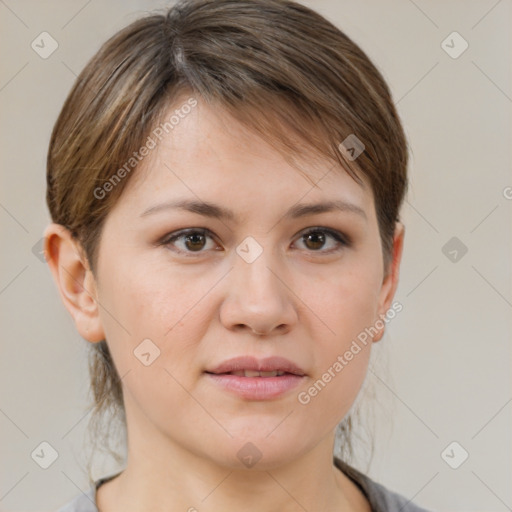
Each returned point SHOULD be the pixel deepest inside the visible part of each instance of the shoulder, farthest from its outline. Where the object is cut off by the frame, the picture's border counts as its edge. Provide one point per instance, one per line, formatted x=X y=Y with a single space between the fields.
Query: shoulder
x=381 y=499
x=85 y=502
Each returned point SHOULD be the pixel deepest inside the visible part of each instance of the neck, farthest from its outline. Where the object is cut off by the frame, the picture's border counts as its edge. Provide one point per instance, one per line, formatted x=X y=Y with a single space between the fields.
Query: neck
x=162 y=475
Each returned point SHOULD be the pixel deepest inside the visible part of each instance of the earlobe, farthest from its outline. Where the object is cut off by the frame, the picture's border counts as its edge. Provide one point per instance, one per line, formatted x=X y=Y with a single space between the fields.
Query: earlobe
x=74 y=280
x=390 y=283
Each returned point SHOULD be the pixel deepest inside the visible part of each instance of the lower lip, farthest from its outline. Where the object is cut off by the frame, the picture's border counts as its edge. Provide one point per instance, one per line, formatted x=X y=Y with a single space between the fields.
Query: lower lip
x=256 y=388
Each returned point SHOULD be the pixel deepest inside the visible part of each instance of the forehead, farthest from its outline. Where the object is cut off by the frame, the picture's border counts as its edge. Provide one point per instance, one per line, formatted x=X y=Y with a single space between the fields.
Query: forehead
x=208 y=155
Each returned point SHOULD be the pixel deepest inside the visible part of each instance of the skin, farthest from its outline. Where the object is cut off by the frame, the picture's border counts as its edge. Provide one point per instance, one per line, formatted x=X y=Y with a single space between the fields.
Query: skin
x=305 y=301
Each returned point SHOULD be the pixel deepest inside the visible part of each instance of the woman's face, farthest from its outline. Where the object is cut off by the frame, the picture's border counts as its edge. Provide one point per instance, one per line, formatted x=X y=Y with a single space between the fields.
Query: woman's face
x=268 y=279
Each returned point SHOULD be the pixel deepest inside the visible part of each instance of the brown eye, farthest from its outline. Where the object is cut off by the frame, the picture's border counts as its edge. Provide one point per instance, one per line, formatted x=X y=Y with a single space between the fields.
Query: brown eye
x=189 y=241
x=194 y=241
x=316 y=239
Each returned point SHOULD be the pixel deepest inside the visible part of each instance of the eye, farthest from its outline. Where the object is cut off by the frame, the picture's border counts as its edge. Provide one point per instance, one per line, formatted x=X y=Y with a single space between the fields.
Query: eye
x=195 y=240
x=191 y=240
x=316 y=238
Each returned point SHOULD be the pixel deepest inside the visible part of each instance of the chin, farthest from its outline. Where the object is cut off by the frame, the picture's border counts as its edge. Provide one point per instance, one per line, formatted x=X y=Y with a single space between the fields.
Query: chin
x=257 y=451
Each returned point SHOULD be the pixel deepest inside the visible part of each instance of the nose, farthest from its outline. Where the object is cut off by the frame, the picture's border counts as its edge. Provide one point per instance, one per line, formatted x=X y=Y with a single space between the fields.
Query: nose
x=258 y=298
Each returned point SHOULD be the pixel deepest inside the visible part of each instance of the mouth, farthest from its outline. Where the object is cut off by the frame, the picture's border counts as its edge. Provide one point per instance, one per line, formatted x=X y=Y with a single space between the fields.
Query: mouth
x=256 y=379
x=248 y=366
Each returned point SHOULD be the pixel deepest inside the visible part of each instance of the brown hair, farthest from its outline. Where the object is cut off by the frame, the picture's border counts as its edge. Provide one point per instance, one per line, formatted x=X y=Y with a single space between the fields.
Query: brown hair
x=276 y=66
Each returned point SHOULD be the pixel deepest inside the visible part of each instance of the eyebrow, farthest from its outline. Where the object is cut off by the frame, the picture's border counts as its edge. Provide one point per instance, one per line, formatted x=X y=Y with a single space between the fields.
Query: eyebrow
x=212 y=210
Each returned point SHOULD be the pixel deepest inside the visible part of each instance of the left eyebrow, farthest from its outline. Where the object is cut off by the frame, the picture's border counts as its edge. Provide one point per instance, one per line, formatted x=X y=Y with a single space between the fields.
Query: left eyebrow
x=301 y=210
x=216 y=211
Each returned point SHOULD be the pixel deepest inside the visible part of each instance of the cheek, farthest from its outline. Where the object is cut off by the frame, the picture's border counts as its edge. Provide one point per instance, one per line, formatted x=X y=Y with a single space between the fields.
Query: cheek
x=149 y=301
x=347 y=308
x=152 y=330
x=345 y=305
x=145 y=302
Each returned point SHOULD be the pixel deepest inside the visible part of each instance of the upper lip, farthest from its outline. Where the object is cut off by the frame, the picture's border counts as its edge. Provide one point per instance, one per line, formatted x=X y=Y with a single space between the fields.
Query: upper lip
x=268 y=364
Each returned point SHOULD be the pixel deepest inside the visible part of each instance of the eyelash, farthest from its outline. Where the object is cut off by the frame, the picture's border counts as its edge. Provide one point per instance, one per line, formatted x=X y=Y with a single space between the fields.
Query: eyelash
x=342 y=239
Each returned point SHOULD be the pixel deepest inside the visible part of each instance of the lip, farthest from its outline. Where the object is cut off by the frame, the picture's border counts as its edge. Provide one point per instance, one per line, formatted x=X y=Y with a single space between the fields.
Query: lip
x=268 y=364
x=256 y=388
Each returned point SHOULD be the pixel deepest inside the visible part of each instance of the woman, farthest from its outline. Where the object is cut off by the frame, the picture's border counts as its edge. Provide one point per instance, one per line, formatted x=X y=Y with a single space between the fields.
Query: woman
x=225 y=182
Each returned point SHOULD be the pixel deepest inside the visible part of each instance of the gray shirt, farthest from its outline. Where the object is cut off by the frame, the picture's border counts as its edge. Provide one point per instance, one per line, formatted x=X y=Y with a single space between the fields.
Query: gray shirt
x=381 y=499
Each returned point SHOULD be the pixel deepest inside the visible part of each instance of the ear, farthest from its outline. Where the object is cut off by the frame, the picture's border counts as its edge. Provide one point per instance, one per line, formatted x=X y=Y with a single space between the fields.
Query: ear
x=74 y=280
x=390 y=282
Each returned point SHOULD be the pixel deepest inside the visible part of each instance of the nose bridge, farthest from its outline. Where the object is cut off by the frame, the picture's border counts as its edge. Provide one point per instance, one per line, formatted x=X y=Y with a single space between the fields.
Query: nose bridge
x=254 y=270
x=257 y=296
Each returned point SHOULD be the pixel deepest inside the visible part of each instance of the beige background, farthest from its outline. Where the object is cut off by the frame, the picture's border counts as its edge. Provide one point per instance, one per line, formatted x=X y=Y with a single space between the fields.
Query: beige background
x=449 y=350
